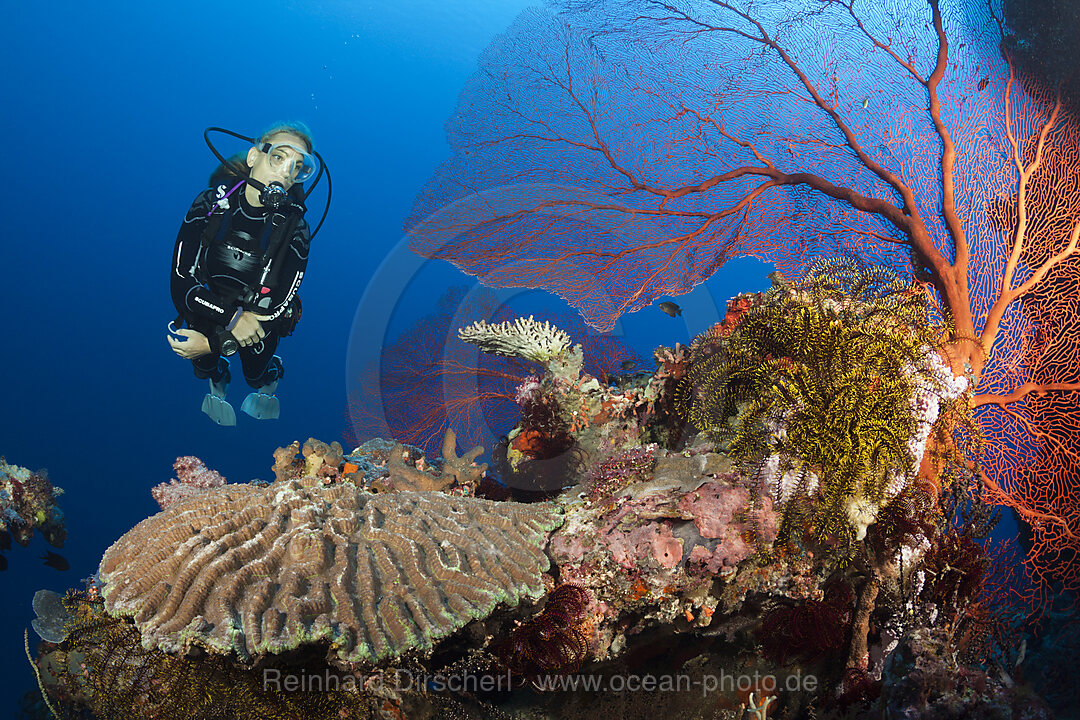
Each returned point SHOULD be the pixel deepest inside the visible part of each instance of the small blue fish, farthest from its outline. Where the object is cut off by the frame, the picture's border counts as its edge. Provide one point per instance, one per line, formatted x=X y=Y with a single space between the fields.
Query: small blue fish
x=670 y=308
x=57 y=562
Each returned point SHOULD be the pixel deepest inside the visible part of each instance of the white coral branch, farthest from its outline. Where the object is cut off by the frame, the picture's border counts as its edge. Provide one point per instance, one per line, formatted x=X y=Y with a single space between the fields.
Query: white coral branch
x=524 y=338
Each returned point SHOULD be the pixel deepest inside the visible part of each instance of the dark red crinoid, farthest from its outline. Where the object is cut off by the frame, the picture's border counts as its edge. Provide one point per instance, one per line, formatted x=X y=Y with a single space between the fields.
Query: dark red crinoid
x=955 y=569
x=555 y=641
x=810 y=631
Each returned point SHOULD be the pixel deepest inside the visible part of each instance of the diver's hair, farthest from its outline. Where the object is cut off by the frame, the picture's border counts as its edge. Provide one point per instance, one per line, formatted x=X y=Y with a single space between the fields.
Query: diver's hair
x=295 y=128
x=235 y=168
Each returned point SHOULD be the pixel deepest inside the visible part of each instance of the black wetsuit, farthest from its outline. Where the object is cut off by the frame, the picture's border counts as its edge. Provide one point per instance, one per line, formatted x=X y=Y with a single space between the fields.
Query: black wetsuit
x=211 y=280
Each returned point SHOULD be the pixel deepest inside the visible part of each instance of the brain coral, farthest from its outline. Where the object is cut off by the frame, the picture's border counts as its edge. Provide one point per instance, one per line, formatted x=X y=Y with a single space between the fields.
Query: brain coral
x=262 y=569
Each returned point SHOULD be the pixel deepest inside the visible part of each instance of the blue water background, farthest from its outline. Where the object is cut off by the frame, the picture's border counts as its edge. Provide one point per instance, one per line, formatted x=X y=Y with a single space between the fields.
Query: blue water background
x=105 y=104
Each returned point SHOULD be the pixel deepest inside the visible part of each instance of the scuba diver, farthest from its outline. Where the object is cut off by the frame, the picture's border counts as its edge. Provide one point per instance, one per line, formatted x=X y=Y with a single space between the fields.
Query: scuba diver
x=239 y=259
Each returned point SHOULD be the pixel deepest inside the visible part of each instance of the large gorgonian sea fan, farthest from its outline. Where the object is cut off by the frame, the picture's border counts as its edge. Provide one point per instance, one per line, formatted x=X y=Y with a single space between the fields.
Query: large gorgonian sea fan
x=619 y=152
x=426 y=381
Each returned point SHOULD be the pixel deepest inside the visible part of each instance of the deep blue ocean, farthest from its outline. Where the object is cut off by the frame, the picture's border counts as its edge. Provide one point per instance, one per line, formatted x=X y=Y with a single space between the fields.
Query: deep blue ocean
x=105 y=107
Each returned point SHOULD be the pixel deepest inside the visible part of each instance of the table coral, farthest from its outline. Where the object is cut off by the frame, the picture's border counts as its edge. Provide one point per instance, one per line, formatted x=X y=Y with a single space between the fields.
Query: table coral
x=524 y=337
x=250 y=569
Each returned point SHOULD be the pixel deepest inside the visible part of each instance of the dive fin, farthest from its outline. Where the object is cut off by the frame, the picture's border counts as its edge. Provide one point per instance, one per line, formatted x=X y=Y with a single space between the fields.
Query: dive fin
x=218 y=410
x=263 y=404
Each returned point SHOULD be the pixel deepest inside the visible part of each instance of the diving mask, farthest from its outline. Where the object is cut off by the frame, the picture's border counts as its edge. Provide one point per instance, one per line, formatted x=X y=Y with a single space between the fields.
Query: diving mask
x=295 y=163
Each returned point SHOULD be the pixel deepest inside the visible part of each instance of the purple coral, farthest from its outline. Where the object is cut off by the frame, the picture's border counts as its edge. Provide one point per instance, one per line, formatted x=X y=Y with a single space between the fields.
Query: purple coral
x=192 y=477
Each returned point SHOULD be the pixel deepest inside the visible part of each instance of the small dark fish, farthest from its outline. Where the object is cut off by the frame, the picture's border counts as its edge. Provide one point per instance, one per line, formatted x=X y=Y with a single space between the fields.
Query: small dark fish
x=628 y=365
x=982 y=83
x=58 y=562
x=3 y=563
x=5 y=540
x=670 y=308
